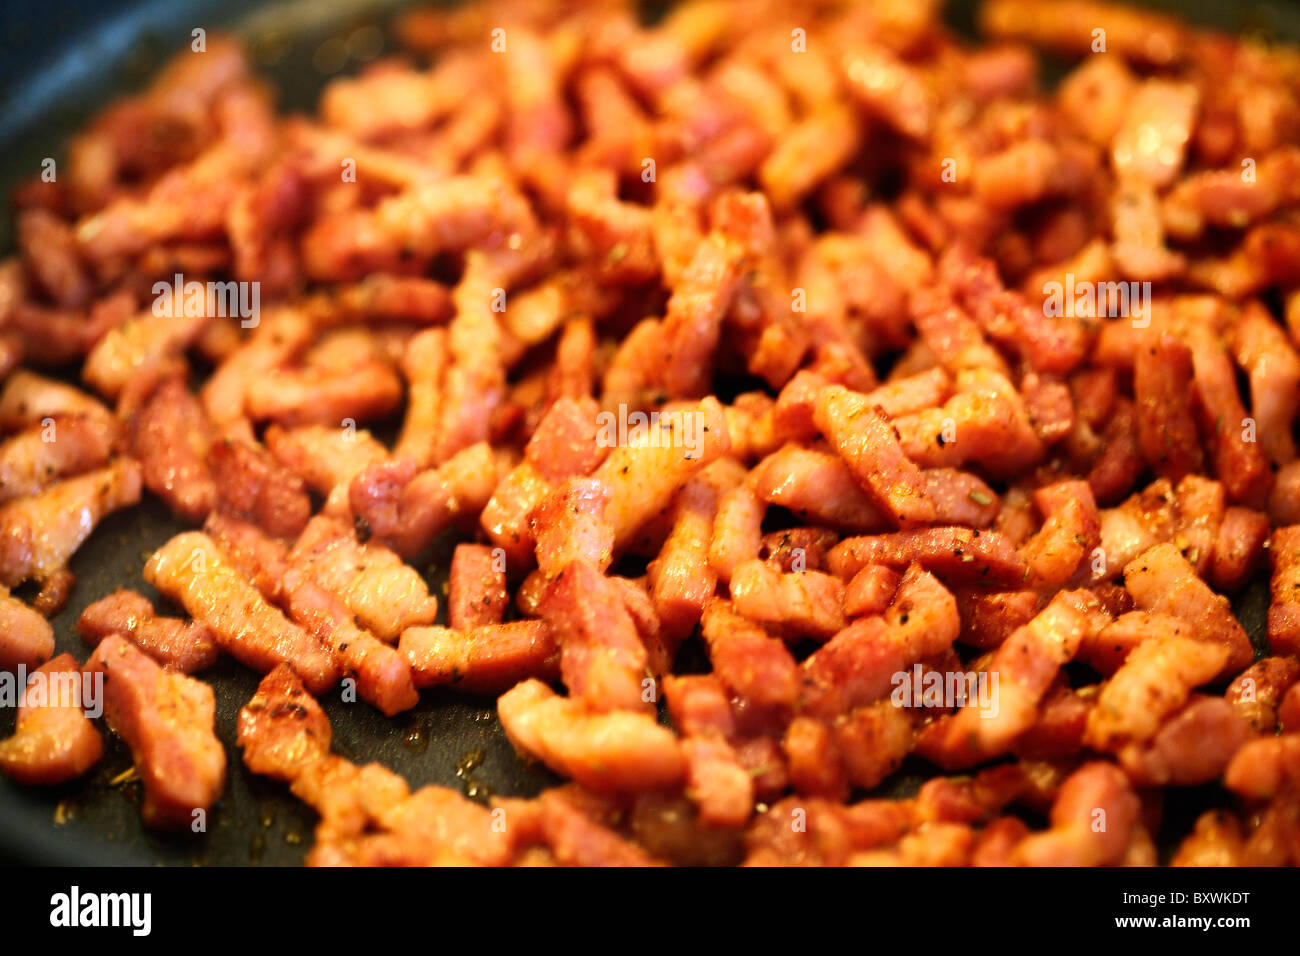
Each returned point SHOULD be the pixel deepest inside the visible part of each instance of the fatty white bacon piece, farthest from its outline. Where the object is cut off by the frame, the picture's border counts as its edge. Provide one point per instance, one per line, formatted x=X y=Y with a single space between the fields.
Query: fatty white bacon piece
x=804 y=603
x=385 y=594
x=1284 y=612
x=1092 y=819
x=1154 y=681
x=191 y=570
x=486 y=659
x=869 y=444
x=56 y=448
x=857 y=665
x=1025 y=664
x=54 y=741
x=960 y=555
x=1106 y=651
x=28 y=398
x=181 y=646
x=25 y=636
x=167 y=720
x=171 y=436
x=643 y=476
x=613 y=750
x=38 y=534
x=1257 y=691
x=326 y=458
x=1160 y=579
x=407 y=508
x=1193 y=747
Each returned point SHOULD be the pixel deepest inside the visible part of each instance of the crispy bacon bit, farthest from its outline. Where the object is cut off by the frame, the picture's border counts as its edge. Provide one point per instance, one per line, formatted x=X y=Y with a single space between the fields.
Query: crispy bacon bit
x=172 y=438
x=167 y=720
x=25 y=636
x=38 y=534
x=957 y=554
x=56 y=448
x=54 y=740
x=1160 y=579
x=486 y=659
x=1284 y=612
x=181 y=646
x=191 y=570
x=1096 y=791
x=386 y=595
x=614 y=750
x=282 y=729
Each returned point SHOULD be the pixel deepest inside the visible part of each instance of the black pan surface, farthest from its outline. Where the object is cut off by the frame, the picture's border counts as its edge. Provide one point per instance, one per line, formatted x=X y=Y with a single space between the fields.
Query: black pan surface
x=65 y=58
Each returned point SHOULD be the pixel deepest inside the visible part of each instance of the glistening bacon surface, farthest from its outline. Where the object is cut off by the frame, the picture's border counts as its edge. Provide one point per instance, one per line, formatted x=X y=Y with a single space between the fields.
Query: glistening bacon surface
x=816 y=391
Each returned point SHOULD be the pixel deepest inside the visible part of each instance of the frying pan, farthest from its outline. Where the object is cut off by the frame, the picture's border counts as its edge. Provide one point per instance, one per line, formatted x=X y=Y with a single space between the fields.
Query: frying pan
x=64 y=59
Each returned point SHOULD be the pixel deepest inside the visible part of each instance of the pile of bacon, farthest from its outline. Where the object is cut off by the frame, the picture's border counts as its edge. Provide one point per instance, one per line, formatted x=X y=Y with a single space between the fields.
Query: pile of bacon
x=822 y=238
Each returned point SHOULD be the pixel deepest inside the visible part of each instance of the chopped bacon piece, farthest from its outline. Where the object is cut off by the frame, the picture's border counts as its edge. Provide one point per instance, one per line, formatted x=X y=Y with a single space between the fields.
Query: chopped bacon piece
x=819 y=487
x=871 y=590
x=1238 y=548
x=167 y=721
x=1193 y=747
x=602 y=657
x=56 y=448
x=38 y=534
x=1091 y=820
x=1284 y=612
x=182 y=646
x=1160 y=579
x=865 y=439
x=613 y=750
x=26 y=638
x=1025 y=665
x=957 y=554
x=1154 y=681
x=1257 y=691
x=807 y=603
x=1162 y=380
x=172 y=437
x=486 y=659
x=386 y=595
x=477 y=588
x=282 y=728
x=192 y=570
x=54 y=740
x=857 y=666
x=254 y=485
x=718 y=784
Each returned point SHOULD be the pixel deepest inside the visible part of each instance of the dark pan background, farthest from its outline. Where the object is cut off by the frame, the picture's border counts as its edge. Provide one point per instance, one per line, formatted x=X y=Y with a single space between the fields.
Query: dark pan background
x=61 y=60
